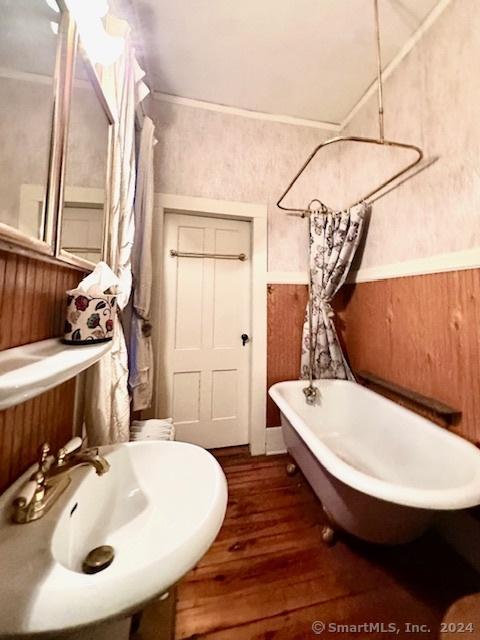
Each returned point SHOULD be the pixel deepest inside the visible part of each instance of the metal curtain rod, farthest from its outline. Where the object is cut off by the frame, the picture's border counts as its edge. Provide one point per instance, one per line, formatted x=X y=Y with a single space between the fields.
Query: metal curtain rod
x=381 y=118
x=425 y=165
x=223 y=256
x=378 y=141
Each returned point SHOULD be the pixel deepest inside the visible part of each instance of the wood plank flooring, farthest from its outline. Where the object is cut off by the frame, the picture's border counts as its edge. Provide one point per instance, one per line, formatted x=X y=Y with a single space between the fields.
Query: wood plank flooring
x=269 y=576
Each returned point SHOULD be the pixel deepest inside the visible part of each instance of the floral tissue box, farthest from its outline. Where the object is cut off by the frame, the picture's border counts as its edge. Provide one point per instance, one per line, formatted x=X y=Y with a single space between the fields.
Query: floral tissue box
x=89 y=318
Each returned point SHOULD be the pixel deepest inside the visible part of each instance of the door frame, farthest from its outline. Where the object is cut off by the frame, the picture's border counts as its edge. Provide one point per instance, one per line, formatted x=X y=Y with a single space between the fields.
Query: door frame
x=256 y=214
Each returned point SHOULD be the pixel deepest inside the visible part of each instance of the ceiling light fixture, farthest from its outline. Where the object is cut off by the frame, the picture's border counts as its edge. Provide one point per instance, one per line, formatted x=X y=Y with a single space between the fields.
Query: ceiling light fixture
x=53 y=5
x=100 y=46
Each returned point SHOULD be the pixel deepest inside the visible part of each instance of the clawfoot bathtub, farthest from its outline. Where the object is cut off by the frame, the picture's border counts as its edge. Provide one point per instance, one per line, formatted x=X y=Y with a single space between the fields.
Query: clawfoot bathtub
x=380 y=470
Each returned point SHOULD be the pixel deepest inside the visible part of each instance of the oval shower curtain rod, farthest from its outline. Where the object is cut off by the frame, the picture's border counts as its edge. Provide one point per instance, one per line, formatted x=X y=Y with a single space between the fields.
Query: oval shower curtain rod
x=379 y=141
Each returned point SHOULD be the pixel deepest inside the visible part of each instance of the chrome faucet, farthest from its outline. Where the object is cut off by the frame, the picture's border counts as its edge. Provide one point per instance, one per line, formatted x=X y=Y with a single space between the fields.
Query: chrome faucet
x=51 y=479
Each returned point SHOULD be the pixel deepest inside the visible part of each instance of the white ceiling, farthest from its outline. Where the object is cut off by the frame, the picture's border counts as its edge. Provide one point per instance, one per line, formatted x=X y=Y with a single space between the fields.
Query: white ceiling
x=310 y=59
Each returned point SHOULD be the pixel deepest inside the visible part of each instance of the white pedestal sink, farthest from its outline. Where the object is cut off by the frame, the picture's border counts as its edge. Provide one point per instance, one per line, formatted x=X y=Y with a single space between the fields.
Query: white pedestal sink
x=160 y=507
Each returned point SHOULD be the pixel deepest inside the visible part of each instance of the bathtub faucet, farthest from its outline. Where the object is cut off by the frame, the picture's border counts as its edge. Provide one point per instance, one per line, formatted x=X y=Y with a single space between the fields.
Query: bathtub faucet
x=311 y=394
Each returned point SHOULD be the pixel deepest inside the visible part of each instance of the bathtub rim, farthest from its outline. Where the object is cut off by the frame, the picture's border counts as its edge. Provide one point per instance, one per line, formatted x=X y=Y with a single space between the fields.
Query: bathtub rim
x=456 y=498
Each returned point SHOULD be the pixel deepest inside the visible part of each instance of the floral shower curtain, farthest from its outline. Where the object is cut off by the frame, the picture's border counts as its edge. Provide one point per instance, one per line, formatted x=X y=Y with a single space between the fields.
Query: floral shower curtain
x=334 y=238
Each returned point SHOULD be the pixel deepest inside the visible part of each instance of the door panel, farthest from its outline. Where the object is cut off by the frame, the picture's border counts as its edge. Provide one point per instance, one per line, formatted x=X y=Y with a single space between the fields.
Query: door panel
x=206 y=310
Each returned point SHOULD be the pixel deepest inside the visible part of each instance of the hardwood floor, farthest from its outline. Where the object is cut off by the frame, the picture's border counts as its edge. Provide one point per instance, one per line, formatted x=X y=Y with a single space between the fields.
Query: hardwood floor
x=269 y=576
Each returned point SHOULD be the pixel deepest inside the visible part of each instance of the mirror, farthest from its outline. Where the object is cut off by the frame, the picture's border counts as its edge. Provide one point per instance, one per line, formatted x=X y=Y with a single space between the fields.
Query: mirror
x=28 y=48
x=83 y=219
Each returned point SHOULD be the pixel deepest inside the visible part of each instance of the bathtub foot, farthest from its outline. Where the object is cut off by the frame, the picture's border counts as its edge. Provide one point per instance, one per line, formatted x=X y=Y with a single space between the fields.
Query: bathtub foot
x=329 y=535
x=291 y=469
x=329 y=531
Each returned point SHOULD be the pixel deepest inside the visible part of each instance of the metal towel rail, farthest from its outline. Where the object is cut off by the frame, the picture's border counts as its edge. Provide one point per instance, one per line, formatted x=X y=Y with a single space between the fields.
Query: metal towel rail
x=223 y=256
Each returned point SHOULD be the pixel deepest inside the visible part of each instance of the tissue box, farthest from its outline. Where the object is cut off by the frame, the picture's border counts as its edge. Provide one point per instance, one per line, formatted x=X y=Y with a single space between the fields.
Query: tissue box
x=89 y=318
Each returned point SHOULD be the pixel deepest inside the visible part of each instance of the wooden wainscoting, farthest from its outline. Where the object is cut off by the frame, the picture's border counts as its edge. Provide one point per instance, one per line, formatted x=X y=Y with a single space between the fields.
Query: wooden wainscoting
x=32 y=297
x=422 y=333
x=286 y=313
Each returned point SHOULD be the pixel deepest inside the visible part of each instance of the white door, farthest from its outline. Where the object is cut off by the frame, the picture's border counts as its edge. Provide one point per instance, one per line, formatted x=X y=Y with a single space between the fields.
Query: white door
x=206 y=302
x=82 y=231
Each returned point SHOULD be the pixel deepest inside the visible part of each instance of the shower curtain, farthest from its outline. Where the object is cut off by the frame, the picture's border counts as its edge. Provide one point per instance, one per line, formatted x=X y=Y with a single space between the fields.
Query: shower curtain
x=334 y=238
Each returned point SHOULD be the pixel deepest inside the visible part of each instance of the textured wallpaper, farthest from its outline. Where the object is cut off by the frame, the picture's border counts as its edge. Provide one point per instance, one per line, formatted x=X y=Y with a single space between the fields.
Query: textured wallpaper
x=432 y=100
x=216 y=155
x=25 y=113
x=25 y=116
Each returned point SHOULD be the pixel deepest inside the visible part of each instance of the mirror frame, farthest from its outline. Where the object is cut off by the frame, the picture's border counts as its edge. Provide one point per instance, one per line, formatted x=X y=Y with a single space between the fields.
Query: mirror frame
x=12 y=239
x=48 y=248
x=62 y=254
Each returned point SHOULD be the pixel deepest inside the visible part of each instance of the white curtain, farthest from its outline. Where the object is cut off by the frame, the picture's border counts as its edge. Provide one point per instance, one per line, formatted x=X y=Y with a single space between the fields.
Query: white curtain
x=107 y=402
x=334 y=238
x=141 y=352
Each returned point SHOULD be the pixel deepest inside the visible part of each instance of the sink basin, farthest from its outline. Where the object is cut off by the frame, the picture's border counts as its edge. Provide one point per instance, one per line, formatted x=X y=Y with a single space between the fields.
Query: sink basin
x=160 y=507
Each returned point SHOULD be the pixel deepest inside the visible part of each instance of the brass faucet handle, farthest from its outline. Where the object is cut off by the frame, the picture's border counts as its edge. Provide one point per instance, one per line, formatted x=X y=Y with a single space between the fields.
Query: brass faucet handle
x=39 y=479
x=34 y=489
x=43 y=453
x=25 y=495
x=72 y=446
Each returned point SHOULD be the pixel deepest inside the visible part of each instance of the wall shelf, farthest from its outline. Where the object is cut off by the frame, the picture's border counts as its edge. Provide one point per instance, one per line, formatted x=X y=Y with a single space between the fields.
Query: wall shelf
x=32 y=369
x=426 y=406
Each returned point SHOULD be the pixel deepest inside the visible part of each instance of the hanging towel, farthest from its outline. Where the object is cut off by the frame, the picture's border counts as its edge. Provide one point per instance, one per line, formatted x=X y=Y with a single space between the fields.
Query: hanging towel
x=141 y=353
x=152 y=430
x=107 y=405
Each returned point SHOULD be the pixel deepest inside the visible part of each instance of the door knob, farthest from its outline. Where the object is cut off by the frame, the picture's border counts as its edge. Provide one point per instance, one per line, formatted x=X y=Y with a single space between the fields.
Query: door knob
x=245 y=339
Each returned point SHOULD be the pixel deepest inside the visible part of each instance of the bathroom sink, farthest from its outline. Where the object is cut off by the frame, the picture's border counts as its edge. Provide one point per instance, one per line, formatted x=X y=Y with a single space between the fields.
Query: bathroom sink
x=160 y=507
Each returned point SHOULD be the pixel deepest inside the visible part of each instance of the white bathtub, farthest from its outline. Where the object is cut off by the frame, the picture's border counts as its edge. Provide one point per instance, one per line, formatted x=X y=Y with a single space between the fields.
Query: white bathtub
x=380 y=470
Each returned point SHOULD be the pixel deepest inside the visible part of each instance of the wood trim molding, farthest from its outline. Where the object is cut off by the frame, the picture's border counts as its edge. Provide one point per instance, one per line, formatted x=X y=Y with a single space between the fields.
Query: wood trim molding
x=274 y=442
x=246 y=113
x=210 y=206
x=257 y=214
x=454 y=261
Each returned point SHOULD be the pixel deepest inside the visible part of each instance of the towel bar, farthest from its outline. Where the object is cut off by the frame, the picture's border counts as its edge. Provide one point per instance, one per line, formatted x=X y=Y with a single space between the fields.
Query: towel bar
x=223 y=256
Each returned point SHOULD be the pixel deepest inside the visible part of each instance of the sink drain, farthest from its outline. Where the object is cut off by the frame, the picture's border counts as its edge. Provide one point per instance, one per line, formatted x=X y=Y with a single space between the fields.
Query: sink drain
x=98 y=559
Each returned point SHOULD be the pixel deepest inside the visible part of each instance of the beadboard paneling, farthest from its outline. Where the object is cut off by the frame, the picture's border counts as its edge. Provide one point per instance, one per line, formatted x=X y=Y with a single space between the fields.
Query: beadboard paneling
x=32 y=296
x=286 y=312
x=23 y=429
x=420 y=332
